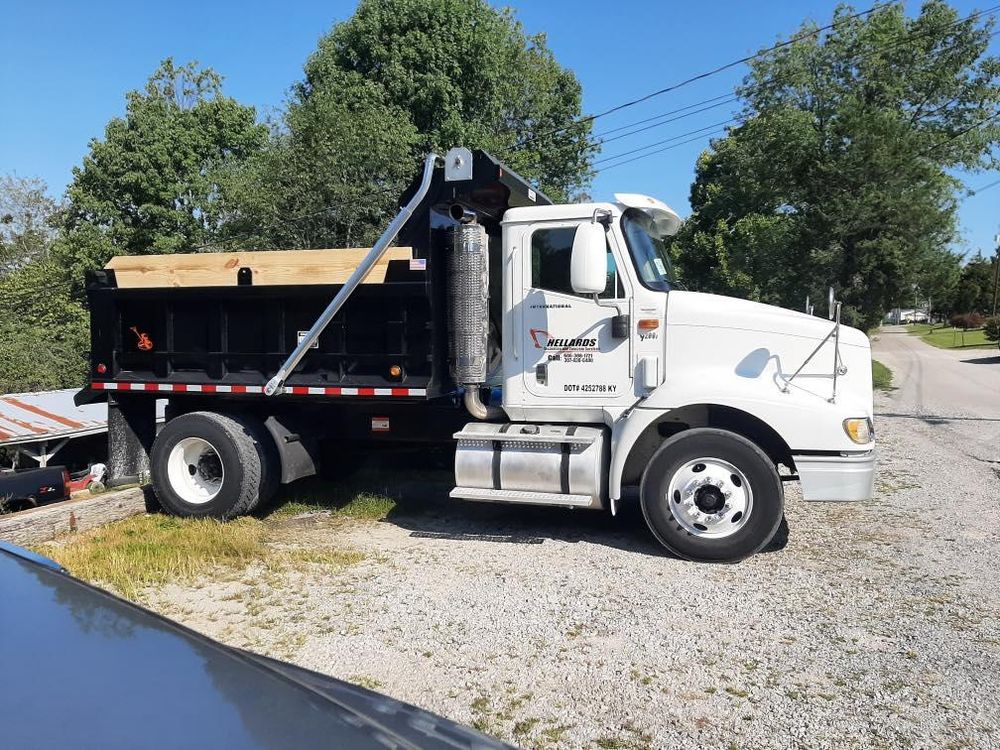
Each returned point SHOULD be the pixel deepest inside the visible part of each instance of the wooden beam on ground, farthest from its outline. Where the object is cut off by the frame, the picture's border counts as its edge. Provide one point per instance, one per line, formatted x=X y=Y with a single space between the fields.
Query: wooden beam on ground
x=269 y=267
x=43 y=524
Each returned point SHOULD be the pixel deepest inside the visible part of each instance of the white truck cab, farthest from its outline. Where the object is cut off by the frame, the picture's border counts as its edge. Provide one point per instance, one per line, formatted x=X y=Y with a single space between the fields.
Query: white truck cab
x=597 y=330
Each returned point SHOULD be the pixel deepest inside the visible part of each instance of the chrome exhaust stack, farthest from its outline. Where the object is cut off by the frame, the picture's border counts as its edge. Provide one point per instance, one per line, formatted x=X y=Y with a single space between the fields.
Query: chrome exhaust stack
x=468 y=308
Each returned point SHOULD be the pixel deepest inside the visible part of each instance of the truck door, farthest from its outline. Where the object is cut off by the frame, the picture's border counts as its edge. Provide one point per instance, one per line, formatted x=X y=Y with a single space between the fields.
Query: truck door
x=569 y=349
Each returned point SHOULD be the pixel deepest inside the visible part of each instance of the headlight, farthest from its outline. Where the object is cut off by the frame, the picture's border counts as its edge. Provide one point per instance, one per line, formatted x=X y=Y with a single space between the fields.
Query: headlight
x=859 y=430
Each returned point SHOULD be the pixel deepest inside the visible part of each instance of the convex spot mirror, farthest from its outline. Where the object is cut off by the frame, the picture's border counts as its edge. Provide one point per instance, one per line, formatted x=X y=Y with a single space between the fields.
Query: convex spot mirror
x=588 y=268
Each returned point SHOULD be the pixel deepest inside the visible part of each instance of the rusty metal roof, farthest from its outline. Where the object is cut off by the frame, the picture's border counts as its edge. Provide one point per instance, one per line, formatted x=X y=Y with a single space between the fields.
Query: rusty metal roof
x=33 y=417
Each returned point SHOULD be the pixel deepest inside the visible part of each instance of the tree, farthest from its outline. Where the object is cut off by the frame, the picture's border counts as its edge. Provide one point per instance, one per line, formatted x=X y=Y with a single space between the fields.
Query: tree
x=330 y=178
x=839 y=173
x=151 y=186
x=398 y=79
x=44 y=333
x=974 y=291
x=26 y=216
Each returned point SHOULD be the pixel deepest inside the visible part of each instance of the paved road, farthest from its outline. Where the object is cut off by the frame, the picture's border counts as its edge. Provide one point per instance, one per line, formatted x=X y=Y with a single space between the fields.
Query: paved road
x=940 y=382
x=955 y=392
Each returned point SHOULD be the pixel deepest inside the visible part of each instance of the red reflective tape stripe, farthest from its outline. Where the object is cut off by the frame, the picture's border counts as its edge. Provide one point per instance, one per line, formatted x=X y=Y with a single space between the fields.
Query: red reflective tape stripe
x=298 y=390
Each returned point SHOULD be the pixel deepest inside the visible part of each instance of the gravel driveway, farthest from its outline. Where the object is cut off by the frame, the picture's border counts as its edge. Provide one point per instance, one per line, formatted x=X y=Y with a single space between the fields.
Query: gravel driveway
x=875 y=627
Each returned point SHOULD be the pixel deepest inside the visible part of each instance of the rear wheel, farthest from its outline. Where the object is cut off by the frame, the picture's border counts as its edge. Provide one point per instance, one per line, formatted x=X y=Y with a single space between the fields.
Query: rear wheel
x=712 y=495
x=205 y=464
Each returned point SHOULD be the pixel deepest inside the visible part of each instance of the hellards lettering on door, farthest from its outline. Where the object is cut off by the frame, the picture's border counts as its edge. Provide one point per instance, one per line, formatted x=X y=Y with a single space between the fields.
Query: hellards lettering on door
x=544 y=340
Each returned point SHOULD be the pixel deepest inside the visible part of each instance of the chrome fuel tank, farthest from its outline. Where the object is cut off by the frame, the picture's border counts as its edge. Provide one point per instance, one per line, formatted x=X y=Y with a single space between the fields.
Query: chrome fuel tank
x=532 y=463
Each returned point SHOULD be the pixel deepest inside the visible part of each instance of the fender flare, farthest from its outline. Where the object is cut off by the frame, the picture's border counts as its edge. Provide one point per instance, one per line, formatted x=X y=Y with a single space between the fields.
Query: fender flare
x=627 y=433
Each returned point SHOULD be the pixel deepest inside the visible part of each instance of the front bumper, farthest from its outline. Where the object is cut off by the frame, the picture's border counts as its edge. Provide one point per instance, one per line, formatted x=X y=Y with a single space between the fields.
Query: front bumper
x=840 y=477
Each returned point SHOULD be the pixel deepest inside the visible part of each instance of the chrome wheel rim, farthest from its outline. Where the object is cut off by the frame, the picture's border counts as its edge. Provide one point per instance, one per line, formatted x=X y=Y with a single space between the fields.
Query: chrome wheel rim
x=195 y=471
x=710 y=498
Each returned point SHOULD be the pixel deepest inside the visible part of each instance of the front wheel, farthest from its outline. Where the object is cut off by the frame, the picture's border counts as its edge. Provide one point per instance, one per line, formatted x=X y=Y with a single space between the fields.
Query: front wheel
x=711 y=495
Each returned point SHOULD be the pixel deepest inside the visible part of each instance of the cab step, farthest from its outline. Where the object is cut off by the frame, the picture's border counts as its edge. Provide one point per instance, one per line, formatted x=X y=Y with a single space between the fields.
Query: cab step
x=522 y=497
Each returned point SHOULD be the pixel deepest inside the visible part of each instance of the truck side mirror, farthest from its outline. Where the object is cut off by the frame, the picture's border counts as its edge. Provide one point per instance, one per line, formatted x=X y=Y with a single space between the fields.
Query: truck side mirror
x=588 y=266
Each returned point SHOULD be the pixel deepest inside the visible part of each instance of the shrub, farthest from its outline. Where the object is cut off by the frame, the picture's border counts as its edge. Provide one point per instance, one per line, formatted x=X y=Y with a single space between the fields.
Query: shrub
x=992 y=328
x=966 y=321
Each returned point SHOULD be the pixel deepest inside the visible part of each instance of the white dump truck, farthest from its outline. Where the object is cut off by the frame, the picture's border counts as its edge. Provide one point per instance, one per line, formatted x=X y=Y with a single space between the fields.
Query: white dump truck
x=549 y=345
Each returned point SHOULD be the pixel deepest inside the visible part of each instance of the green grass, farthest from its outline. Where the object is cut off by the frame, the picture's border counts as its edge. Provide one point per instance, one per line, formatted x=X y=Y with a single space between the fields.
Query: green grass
x=370 y=494
x=131 y=555
x=946 y=337
x=145 y=551
x=347 y=501
x=881 y=376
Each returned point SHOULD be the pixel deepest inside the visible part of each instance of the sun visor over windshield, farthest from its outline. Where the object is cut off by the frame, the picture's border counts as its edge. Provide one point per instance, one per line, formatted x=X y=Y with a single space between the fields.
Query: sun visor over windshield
x=665 y=219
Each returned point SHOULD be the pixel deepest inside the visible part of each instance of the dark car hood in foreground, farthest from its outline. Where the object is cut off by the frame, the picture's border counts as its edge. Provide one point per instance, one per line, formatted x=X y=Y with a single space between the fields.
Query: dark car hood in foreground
x=80 y=668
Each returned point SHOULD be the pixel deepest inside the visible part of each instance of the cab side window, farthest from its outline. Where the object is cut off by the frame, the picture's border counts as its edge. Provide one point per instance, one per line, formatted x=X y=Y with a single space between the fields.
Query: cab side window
x=551 y=250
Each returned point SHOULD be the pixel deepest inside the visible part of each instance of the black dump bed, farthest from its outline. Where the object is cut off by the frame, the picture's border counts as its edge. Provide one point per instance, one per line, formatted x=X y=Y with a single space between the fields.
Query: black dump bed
x=232 y=339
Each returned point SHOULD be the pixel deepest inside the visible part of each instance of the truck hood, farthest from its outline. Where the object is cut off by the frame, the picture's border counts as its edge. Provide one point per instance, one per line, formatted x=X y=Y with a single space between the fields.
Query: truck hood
x=83 y=668
x=717 y=311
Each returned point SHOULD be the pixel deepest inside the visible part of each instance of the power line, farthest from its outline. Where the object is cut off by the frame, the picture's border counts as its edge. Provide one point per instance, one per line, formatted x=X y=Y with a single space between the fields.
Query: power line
x=714 y=125
x=660 y=150
x=953 y=137
x=664 y=114
x=984 y=188
x=667 y=121
x=959 y=134
x=909 y=38
x=706 y=74
x=882 y=49
x=715 y=101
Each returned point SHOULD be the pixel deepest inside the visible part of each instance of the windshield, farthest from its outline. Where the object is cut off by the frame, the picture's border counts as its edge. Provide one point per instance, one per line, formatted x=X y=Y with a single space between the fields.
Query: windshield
x=648 y=249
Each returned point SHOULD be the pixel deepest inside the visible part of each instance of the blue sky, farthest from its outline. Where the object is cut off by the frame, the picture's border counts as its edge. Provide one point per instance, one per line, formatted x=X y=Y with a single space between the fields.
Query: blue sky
x=65 y=67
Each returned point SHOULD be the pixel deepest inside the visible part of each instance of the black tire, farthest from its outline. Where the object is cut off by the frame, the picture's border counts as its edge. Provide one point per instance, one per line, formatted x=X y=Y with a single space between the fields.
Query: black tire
x=761 y=521
x=780 y=539
x=242 y=448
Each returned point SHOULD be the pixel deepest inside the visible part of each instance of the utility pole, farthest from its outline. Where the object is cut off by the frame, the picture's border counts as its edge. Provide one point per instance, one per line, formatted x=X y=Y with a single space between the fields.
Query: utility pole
x=996 y=272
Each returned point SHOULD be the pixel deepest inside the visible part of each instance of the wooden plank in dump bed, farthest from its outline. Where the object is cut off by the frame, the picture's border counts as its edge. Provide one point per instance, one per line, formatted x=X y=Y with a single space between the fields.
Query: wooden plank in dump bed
x=270 y=268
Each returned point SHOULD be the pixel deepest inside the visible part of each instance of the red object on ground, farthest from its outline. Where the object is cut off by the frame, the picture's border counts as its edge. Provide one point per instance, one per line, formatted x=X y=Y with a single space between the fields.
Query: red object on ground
x=75 y=485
